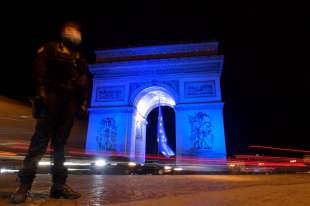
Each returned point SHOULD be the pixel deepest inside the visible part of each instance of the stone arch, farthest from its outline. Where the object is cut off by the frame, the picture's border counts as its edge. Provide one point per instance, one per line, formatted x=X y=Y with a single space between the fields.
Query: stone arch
x=144 y=102
x=186 y=74
x=138 y=89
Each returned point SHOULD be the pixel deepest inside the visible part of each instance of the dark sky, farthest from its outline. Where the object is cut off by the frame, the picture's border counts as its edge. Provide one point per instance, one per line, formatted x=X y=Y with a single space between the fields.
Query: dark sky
x=266 y=78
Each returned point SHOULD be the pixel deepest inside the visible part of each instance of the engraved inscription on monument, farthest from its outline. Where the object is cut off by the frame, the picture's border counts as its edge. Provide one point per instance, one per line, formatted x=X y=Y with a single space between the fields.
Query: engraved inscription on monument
x=110 y=93
x=196 y=89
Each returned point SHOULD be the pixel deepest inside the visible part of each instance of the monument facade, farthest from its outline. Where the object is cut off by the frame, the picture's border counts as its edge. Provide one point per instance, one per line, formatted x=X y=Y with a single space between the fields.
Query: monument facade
x=128 y=84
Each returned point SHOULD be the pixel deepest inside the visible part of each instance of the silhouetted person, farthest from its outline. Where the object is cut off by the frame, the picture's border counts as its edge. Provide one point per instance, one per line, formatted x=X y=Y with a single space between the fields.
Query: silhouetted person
x=62 y=87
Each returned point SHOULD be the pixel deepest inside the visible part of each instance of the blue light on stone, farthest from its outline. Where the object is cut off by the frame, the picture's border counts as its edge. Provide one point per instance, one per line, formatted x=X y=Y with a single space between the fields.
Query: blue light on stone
x=125 y=91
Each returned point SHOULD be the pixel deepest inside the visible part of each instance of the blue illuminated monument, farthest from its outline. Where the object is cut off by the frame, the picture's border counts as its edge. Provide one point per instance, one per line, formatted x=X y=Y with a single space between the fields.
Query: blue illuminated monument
x=128 y=83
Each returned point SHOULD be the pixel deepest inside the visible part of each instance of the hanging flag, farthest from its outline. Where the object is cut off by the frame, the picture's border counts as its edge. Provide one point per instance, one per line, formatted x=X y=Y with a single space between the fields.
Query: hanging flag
x=163 y=147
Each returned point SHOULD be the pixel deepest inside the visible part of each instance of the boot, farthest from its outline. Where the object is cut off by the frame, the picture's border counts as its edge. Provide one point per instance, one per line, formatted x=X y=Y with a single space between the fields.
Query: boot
x=21 y=194
x=64 y=191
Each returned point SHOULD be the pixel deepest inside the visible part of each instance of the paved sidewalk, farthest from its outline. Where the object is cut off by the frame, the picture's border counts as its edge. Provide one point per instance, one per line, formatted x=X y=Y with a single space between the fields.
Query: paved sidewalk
x=209 y=190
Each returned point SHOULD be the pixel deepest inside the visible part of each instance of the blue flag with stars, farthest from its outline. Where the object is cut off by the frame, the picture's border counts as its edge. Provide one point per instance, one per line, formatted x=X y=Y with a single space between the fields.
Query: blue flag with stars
x=163 y=147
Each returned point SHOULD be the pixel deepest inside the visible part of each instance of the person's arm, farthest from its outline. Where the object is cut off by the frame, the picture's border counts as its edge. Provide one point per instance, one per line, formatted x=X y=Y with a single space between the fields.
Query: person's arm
x=39 y=71
x=84 y=83
x=85 y=91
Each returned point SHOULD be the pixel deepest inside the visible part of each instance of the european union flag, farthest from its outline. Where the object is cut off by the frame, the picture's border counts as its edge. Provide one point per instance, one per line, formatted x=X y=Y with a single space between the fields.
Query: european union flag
x=163 y=147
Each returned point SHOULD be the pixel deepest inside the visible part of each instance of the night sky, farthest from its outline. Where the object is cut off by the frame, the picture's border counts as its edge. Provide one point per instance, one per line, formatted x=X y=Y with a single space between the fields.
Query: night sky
x=266 y=77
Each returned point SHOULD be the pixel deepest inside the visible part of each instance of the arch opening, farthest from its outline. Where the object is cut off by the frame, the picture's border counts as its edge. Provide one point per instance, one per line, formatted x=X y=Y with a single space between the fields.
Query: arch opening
x=146 y=101
x=151 y=149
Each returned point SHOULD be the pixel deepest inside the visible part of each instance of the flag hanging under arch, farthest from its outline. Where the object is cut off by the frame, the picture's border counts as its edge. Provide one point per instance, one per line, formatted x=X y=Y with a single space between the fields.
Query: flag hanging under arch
x=163 y=146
